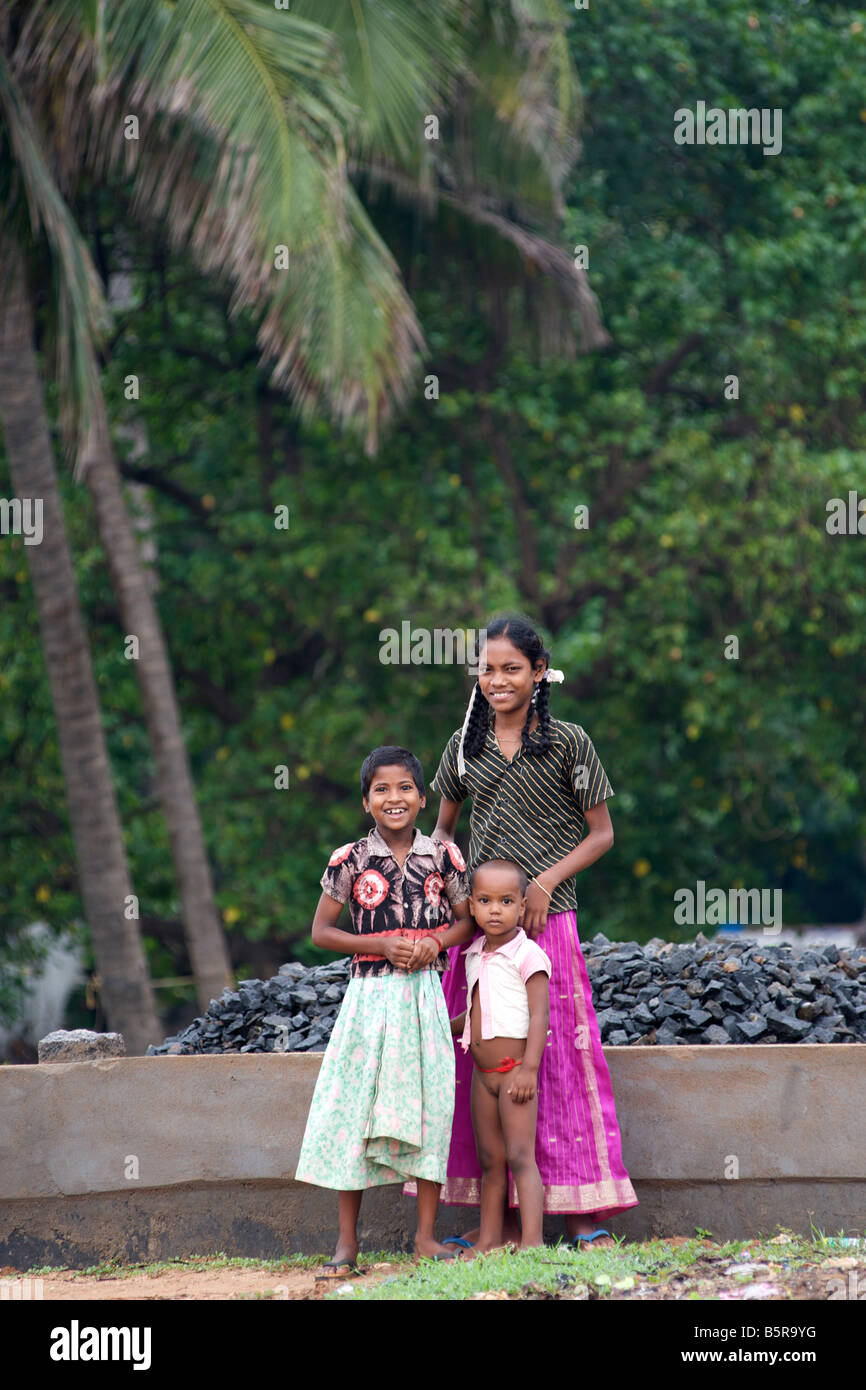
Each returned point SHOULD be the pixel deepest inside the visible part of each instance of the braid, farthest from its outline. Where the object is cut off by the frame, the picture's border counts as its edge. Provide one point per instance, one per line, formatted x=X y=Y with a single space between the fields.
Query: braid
x=476 y=729
x=542 y=709
x=524 y=732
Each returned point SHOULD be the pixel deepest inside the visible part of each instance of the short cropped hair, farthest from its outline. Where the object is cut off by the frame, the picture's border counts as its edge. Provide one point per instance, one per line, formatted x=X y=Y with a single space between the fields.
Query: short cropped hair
x=522 y=876
x=389 y=756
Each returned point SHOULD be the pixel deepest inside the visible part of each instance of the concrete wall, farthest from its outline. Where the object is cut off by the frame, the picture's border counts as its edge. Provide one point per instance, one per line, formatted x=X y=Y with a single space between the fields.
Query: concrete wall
x=151 y=1157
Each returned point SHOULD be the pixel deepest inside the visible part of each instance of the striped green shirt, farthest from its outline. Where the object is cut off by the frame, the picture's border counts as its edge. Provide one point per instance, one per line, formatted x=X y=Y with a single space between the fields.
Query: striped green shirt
x=530 y=810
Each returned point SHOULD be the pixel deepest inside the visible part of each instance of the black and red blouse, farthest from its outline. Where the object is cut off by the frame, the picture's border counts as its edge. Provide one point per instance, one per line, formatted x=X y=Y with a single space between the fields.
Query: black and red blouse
x=389 y=901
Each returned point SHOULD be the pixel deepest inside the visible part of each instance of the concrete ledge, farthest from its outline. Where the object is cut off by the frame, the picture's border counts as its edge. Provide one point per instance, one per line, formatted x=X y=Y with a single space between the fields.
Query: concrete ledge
x=269 y=1220
x=149 y=1157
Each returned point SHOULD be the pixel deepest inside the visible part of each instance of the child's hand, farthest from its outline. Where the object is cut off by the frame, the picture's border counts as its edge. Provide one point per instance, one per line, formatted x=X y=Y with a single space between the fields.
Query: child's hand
x=398 y=950
x=426 y=949
x=457 y=1025
x=523 y=1085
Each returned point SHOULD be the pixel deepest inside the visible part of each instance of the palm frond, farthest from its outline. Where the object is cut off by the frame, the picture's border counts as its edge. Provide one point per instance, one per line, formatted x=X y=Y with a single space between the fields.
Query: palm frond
x=563 y=286
x=510 y=138
x=547 y=111
x=338 y=325
x=400 y=62
x=241 y=151
x=82 y=312
x=250 y=119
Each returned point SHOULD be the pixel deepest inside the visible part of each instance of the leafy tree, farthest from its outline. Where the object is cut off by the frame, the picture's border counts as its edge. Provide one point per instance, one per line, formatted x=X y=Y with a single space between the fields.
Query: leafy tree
x=237 y=179
x=707 y=515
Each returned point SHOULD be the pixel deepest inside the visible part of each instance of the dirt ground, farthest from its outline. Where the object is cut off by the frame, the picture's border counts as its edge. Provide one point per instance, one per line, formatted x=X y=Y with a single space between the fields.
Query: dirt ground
x=183 y=1284
x=711 y=1276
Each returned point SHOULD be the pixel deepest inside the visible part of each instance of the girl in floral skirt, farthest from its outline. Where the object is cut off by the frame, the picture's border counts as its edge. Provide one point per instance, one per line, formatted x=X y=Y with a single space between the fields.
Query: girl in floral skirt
x=384 y=1099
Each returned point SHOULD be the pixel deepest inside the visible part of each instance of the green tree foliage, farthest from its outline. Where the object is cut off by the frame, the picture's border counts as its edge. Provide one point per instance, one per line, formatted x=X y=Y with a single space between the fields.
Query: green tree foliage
x=706 y=515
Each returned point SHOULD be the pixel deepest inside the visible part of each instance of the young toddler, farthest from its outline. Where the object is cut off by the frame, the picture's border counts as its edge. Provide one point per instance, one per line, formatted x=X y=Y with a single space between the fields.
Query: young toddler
x=505 y=1030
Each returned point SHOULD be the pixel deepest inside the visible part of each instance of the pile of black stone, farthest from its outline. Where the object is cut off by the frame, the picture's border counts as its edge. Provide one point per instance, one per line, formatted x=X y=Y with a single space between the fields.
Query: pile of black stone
x=293 y=1011
x=737 y=990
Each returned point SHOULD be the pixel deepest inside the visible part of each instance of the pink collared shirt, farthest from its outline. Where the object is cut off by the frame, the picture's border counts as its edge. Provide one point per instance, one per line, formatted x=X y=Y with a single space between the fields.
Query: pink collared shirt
x=501 y=976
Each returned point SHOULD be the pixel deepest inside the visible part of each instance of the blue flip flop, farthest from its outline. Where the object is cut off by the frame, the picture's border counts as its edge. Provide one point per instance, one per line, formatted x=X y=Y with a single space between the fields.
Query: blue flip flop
x=587 y=1240
x=458 y=1240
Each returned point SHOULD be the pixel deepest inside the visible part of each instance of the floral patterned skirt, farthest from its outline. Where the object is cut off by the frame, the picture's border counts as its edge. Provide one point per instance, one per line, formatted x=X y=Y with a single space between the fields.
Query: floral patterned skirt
x=384 y=1101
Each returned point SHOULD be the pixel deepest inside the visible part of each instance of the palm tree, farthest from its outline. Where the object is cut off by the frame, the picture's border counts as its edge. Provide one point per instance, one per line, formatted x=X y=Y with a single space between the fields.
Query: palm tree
x=42 y=49
x=250 y=120
x=244 y=141
x=100 y=851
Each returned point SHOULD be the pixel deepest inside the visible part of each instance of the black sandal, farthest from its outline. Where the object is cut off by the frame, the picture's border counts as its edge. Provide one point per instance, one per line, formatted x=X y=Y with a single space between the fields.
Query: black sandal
x=334 y=1268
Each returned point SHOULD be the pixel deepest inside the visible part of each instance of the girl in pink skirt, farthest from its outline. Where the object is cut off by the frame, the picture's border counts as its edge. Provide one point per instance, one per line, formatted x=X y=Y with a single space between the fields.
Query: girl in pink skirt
x=536 y=783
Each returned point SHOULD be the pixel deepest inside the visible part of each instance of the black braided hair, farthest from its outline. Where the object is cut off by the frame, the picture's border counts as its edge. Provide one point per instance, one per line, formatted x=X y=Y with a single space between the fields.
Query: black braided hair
x=523 y=636
x=542 y=709
x=476 y=729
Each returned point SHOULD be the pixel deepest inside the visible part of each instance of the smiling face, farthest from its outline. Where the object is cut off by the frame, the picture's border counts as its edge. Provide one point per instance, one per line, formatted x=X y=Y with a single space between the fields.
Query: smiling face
x=506 y=676
x=393 y=800
x=496 y=902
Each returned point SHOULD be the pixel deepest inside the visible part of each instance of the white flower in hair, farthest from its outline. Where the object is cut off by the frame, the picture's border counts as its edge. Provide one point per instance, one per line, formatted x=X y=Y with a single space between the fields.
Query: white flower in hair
x=552 y=675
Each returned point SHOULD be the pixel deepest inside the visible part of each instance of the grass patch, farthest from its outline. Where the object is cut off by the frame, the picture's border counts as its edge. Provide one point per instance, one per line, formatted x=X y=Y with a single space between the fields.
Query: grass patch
x=562 y=1271
x=555 y=1270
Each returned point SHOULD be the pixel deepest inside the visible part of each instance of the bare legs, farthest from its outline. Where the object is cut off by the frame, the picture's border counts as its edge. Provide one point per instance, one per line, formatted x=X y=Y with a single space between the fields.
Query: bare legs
x=428 y=1205
x=498 y=1122
x=349 y=1209
x=505 y=1138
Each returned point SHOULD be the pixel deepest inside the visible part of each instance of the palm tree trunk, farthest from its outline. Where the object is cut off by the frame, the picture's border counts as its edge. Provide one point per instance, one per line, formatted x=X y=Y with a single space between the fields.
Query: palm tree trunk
x=204 y=936
x=101 y=856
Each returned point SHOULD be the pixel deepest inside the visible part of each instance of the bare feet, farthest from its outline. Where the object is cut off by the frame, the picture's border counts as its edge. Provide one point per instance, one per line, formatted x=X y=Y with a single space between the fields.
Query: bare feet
x=430 y=1249
x=511 y=1232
